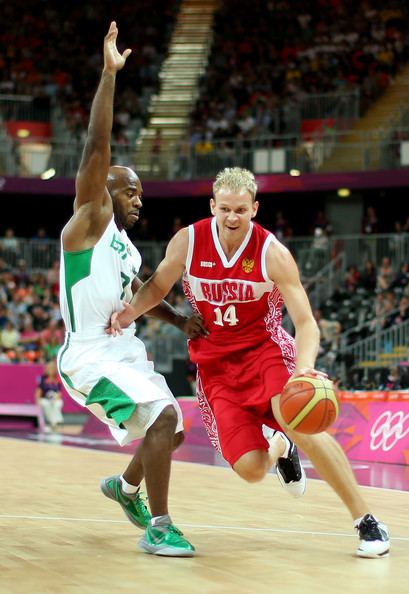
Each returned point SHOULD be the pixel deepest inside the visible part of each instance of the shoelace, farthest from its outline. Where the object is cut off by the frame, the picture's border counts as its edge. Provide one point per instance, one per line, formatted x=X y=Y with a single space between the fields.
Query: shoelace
x=175 y=530
x=138 y=496
x=369 y=528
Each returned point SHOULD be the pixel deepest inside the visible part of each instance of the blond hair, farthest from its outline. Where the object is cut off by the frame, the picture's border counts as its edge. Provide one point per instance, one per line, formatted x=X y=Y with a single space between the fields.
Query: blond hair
x=235 y=179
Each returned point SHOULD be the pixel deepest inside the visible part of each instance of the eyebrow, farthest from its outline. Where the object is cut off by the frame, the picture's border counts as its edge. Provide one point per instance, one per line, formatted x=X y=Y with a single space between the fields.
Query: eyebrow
x=224 y=205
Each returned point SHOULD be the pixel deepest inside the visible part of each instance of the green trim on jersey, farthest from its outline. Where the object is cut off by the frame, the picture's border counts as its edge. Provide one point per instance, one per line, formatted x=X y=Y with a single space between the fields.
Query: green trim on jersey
x=116 y=403
x=64 y=376
x=77 y=266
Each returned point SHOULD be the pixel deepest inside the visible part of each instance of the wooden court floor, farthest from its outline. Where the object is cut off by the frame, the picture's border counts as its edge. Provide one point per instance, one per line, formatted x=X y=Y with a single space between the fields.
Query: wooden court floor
x=60 y=535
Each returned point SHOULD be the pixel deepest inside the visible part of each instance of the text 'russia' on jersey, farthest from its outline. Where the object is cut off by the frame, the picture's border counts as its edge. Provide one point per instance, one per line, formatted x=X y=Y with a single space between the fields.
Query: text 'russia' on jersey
x=240 y=305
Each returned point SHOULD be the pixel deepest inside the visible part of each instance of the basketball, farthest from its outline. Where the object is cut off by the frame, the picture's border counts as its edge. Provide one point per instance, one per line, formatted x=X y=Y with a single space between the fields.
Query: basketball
x=309 y=404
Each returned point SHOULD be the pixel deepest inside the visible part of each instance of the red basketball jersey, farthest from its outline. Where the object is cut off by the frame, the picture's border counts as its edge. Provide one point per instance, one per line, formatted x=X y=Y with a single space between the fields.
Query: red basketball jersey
x=240 y=305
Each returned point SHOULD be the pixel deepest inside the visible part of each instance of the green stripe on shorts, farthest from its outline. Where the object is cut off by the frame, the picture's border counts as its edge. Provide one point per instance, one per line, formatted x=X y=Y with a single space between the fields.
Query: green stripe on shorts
x=116 y=404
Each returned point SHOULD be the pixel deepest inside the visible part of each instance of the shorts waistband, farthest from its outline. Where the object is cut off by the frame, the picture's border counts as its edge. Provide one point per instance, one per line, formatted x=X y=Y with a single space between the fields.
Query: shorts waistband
x=95 y=334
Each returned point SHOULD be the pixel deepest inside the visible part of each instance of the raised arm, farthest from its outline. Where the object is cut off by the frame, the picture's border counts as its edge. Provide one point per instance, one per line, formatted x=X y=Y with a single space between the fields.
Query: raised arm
x=93 y=205
x=282 y=269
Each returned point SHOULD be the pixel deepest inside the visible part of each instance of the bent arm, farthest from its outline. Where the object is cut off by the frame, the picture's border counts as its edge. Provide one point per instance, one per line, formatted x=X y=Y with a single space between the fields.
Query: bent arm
x=160 y=283
x=164 y=311
x=282 y=269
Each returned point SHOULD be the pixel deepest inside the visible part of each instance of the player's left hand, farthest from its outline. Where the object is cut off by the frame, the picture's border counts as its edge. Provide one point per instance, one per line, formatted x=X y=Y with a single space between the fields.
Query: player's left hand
x=309 y=372
x=194 y=327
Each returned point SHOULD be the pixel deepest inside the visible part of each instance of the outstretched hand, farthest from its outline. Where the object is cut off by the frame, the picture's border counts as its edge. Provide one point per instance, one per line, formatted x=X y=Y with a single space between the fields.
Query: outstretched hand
x=121 y=319
x=194 y=327
x=113 y=60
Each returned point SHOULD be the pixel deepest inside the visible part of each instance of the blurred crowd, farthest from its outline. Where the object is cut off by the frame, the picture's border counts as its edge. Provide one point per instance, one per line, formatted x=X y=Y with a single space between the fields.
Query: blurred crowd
x=268 y=56
x=53 y=53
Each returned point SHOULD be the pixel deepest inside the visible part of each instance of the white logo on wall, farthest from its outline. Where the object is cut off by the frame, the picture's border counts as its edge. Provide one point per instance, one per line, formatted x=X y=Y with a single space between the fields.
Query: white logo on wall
x=388 y=429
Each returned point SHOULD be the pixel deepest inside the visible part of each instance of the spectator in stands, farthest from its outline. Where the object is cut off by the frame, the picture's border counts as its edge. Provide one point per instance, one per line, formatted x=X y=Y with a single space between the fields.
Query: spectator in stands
x=403 y=313
x=4 y=316
x=330 y=332
x=51 y=338
x=352 y=278
x=402 y=278
x=184 y=156
x=370 y=221
x=156 y=153
x=321 y=221
x=385 y=274
x=40 y=249
x=9 y=247
x=368 y=276
x=282 y=228
x=30 y=338
x=177 y=224
x=48 y=396
x=53 y=278
x=393 y=380
x=9 y=337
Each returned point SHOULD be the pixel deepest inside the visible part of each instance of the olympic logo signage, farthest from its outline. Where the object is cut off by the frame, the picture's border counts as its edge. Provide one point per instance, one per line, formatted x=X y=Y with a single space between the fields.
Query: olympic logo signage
x=388 y=429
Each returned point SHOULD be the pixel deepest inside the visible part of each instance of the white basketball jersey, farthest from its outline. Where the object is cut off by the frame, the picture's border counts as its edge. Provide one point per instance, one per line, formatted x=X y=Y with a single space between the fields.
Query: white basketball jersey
x=94 y=282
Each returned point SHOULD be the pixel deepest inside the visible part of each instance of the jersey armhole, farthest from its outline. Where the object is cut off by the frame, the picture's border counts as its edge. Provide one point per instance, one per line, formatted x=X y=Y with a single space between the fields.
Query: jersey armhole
x=266 y=245
x=189 y=255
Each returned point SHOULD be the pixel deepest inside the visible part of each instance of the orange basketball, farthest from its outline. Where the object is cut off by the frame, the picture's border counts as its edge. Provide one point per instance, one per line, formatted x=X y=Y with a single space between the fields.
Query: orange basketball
x=309 y=404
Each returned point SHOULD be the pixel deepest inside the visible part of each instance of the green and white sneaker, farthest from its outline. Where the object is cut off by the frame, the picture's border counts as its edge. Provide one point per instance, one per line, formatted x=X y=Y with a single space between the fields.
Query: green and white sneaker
x=163 y=538
x=133 y=505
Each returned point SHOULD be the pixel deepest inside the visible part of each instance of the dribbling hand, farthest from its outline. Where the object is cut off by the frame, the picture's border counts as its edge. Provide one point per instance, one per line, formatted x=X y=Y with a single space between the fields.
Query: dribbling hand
x=309 y=372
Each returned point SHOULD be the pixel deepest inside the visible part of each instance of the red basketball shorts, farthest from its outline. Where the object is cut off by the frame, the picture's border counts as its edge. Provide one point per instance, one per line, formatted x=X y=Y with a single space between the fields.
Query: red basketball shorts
x=235 y=394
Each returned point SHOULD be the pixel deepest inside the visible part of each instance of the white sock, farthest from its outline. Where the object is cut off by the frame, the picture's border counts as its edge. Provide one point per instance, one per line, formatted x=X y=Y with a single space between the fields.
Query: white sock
x=160 y=519
x=127 y=488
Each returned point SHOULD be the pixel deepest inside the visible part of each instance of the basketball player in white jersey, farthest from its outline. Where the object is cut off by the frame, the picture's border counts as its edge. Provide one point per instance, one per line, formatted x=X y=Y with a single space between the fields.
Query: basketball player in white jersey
x=112 y=377
x=237 y=275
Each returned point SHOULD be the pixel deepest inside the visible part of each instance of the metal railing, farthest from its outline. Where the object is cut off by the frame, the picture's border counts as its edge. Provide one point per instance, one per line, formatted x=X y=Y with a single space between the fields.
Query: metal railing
x=25 y=108
x=318 y=266
x=264 y=154
x=326 y=281
x=383 y=347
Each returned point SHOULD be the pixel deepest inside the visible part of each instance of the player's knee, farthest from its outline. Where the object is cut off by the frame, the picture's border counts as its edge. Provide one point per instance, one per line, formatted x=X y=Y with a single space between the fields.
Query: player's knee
x=251 y=475
x=166 y=421
x=250 y=468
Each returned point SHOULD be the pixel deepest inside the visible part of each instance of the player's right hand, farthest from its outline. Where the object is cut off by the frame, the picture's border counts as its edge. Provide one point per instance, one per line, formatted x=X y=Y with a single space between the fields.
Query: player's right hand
x=309 y=372
x=121 y=319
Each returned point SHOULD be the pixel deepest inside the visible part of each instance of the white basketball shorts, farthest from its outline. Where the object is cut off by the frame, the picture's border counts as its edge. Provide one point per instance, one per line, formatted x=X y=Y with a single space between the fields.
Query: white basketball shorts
x=112 y=378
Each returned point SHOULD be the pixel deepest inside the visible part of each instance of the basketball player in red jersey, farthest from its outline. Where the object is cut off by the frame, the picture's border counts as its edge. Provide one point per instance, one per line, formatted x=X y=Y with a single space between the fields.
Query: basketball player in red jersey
x=237 y=275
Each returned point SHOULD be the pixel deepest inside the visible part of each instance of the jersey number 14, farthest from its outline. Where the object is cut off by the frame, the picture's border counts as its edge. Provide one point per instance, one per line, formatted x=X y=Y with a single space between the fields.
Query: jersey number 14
x=227 y=318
